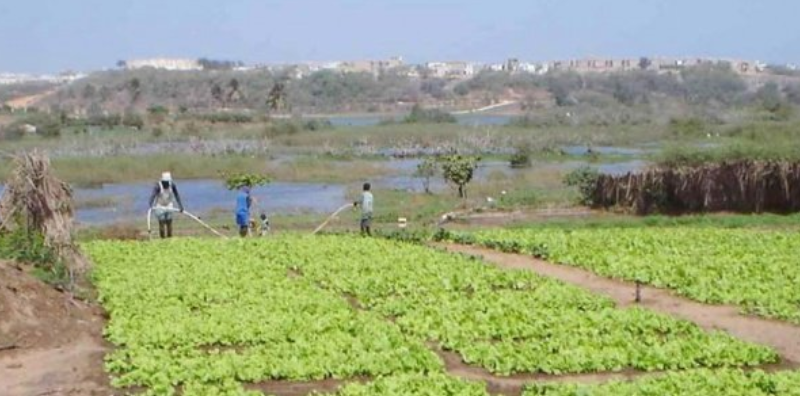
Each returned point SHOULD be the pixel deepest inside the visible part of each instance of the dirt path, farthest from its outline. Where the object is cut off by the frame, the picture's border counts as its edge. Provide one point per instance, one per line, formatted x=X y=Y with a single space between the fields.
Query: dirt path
x=26 y=101
x=783 y=337
x=72 y=369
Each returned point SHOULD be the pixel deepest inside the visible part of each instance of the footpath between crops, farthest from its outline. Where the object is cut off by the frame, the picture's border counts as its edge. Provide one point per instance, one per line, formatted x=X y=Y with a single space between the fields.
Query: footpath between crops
x=514 y=385
x=783 y=337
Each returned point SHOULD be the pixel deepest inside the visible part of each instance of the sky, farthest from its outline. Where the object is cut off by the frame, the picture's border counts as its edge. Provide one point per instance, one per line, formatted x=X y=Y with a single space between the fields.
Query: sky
x=46 y=36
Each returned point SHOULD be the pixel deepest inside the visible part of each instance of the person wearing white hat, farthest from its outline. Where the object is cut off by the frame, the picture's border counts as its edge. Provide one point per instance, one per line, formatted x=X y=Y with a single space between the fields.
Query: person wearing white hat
x=164 y=200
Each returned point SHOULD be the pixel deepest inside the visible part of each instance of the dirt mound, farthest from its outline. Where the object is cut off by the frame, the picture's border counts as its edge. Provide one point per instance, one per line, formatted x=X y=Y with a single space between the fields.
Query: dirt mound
x=49 y=344
x=32 y=314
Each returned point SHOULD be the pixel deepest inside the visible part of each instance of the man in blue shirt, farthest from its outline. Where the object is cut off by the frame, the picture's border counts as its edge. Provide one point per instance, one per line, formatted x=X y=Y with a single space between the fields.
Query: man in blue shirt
x=243 y=203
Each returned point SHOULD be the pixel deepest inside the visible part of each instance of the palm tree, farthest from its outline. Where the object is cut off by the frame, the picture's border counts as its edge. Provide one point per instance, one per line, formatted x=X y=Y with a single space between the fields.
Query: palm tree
x=276 y=100
x=233 y=90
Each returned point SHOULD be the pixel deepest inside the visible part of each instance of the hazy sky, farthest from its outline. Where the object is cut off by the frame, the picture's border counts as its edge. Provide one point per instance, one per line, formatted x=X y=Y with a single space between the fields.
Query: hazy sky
x=54 y=35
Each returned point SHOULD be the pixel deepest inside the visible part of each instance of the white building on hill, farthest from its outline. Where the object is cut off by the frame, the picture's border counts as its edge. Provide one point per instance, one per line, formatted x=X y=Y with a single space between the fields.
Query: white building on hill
x=164 y=64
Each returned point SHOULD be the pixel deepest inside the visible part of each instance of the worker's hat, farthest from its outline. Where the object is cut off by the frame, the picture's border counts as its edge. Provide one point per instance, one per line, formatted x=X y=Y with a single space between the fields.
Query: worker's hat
x=166 y=176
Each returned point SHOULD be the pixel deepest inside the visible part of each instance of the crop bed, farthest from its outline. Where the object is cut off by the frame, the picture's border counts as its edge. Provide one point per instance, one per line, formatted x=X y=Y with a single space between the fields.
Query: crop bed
x=756 y=269
x=204 y=317
x=700 y=382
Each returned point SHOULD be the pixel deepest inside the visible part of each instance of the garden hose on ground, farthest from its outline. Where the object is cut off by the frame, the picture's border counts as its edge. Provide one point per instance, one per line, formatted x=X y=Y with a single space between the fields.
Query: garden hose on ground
x=187 y=214
x=331 y=217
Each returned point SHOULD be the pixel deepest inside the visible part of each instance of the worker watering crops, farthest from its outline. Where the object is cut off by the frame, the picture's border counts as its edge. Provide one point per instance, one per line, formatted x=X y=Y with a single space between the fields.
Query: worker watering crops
x=164 y=201
x=243 y=203
x=366 y=209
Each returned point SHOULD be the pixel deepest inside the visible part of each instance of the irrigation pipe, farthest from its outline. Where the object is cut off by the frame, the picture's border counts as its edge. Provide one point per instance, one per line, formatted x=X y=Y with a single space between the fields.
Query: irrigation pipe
x=331 y=217
x=202 y=223
x=189 y=215
x=149 y=214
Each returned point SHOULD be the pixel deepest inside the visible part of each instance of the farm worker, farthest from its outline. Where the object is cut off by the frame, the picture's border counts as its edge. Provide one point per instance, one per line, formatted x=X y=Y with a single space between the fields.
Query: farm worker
x=164 y=200
x=243 y=203
x=366 y=209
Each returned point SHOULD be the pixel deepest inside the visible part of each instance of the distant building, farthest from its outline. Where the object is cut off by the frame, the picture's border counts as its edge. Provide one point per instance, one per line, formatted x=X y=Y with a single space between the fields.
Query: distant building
x=511 y=65
x=374 y=67
x=454 y=70
x=495 y=67
x=534 y=68
x=63 y=78
x=172 y=64
x=737 y=65
x=595 y=65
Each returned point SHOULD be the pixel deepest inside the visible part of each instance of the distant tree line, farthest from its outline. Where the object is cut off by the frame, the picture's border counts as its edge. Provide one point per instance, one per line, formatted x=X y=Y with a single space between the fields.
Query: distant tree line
x=124 y=91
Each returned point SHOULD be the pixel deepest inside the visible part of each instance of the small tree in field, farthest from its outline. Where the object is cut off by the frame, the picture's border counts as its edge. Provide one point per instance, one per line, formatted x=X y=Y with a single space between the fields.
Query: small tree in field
x=425 y=171
x=459 y=169
x=234 y=181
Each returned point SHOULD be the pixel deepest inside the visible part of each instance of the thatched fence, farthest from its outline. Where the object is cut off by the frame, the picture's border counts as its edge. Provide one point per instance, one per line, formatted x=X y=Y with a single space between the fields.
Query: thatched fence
x=741 y=186
x=37 y=201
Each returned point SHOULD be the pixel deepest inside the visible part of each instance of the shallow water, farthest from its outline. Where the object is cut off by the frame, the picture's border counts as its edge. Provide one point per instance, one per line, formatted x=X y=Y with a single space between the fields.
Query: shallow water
x=129 y=201
x=464 y=119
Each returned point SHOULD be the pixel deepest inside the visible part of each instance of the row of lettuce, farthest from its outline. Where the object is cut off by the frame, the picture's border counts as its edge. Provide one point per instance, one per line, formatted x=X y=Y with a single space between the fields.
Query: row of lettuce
x=204 y=317
x=758 y=270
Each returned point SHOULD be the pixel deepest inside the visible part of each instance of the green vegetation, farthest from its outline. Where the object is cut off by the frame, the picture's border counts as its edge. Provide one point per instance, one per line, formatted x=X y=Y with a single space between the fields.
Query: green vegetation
x=426 y=170
x=237 y=180
x=701 y=382
x=429 y=116
x=240 y=318
x=585 y=180
x=712 y=90
x=129 y=168
x=458 y=170
x=301 y=308
x=603 y=221
x=28 y=247
x=522 y=157
x=415 y=385
x=754 y=269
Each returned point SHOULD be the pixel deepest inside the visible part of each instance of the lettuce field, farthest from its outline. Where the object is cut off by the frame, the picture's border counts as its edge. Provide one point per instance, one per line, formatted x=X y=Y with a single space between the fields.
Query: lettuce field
x=213 y=317
x=758 y=270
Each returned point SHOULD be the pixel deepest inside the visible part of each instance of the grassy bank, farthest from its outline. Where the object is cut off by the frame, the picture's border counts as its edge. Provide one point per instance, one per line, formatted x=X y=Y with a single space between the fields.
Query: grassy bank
x=94 y=171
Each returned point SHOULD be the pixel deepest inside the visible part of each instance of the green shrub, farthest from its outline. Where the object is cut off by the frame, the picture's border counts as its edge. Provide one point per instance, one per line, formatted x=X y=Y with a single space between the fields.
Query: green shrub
x=585 y=179
x=420 y=115
x=29 y=247
x=227 y=118
x=687 y=127
x=521 y=157
x=133 y=120
x=520 y=198
x=237 y=180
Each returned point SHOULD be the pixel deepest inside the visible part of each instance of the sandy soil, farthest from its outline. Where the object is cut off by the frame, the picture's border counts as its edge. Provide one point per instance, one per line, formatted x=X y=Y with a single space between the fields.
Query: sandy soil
x=49 y=343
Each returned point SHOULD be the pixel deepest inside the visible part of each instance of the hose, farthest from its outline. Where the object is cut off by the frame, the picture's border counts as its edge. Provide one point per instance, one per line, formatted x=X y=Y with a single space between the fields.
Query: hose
x=321 y=226
x=187 y=214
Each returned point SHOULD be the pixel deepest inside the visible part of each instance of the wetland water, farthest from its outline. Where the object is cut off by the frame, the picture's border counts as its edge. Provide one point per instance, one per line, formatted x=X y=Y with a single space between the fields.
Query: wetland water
x=116 y=202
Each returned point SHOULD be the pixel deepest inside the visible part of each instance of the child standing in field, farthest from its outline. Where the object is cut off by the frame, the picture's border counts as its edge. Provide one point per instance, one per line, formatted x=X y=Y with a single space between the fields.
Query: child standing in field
x=264 y=228
x=366 y=203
